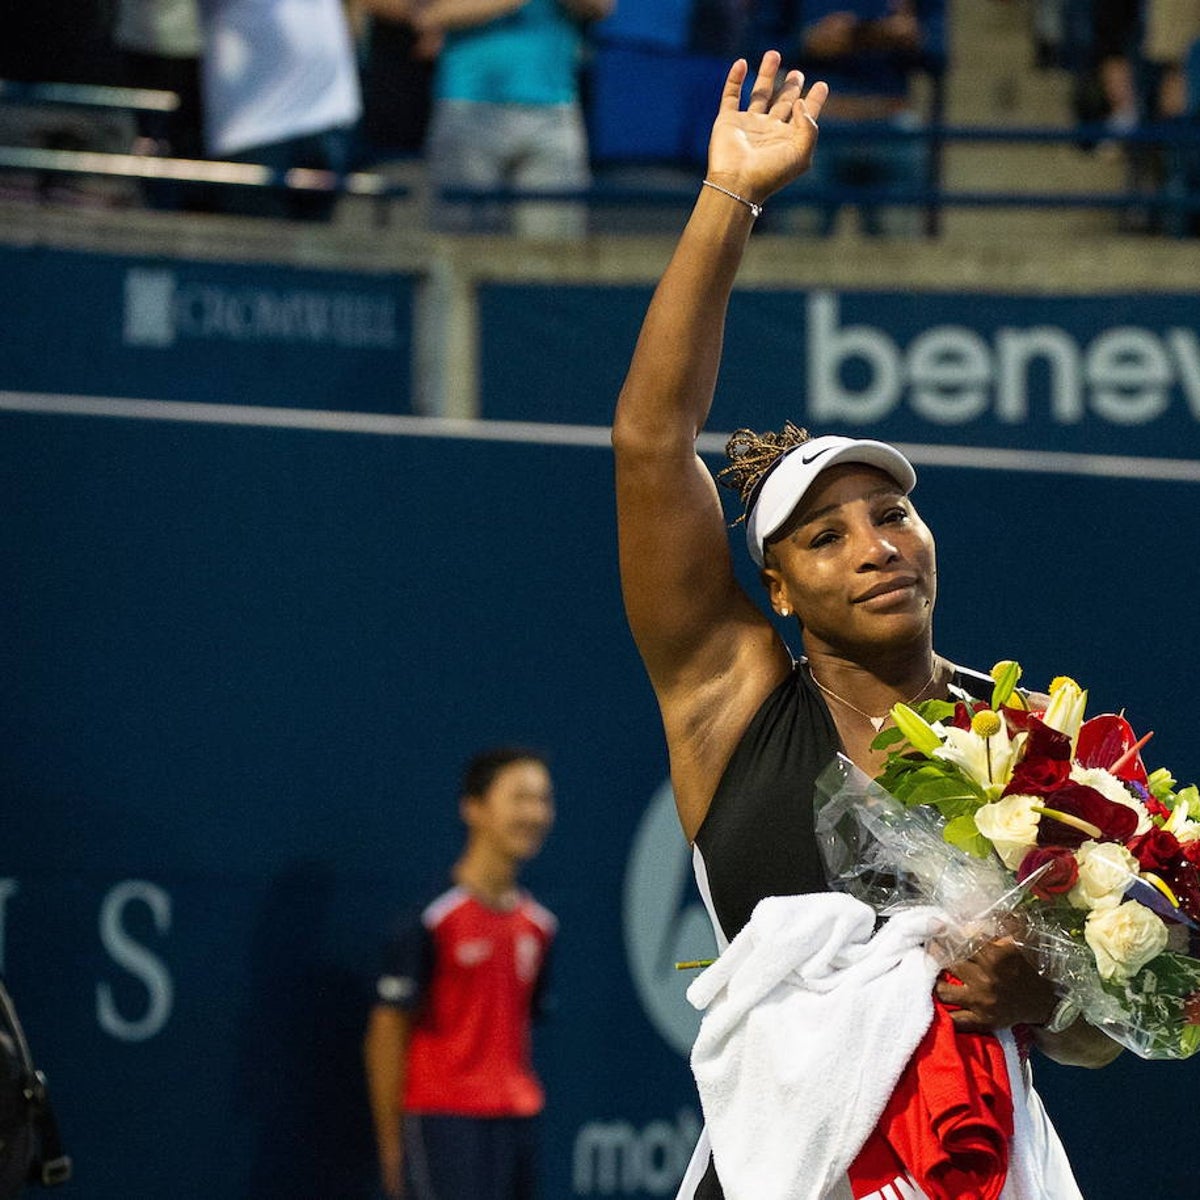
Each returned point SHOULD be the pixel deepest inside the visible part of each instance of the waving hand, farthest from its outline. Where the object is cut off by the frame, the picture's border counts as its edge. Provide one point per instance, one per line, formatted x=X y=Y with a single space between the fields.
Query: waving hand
x=757 y=150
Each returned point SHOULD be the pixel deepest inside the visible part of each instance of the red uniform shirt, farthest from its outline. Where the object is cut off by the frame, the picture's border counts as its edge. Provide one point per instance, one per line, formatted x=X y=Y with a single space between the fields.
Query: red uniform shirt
x=471 y=975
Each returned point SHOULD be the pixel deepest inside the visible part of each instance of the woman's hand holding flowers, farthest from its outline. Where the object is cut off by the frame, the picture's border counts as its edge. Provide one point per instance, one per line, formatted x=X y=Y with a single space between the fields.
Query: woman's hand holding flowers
x=999 y=987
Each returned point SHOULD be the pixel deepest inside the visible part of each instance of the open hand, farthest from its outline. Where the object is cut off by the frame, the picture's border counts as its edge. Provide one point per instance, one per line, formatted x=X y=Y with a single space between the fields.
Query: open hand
x=758 y=150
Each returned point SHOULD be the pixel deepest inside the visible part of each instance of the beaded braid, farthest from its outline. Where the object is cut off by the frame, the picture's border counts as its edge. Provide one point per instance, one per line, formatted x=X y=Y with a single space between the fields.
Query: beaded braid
x=751 y=455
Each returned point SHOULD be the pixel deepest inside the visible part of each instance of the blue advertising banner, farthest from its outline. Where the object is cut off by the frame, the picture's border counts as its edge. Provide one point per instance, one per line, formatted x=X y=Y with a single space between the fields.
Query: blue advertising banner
x=176 y=329
x=240 y=668
x=1113 y=374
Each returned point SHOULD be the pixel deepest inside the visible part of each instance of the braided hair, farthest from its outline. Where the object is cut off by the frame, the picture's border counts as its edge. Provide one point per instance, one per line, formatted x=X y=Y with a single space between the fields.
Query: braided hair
x=752 y=455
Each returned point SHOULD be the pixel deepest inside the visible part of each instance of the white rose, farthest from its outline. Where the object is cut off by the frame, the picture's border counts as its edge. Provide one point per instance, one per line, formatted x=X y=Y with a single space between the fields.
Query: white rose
x=1111 y=788
x=1011 y=826
x=1106 y=870
x=1124 y=939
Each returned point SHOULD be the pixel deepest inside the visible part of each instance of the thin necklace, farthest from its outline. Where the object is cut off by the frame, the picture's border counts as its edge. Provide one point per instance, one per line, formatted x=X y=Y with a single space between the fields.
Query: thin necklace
x=876 y=722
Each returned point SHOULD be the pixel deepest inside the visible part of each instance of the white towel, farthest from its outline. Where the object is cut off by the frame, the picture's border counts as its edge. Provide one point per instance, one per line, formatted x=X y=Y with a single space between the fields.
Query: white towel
x=1038 y=1168
x=809 y=1023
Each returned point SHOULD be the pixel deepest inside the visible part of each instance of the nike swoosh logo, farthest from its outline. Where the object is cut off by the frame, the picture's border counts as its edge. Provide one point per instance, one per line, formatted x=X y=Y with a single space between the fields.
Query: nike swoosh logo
x=807 y=458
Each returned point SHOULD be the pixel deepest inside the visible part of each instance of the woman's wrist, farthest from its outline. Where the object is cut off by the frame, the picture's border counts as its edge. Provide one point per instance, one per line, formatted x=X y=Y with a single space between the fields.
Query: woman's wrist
x=754 y=207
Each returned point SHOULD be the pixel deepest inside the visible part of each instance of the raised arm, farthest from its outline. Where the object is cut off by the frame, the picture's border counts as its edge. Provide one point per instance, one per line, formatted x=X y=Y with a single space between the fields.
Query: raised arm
x=711 y=654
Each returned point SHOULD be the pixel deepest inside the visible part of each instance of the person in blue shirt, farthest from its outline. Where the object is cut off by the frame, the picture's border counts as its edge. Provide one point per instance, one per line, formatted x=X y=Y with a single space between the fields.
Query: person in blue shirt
x=507 y=111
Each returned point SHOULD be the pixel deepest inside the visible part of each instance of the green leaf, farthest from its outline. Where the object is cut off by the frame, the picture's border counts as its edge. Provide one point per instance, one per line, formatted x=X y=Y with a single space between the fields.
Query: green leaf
x=936 y=710
x=1189 y=1040
x=964 y=833
x=1161 y=783
x=940 y=785
x=889 y=737
x=1006 y=681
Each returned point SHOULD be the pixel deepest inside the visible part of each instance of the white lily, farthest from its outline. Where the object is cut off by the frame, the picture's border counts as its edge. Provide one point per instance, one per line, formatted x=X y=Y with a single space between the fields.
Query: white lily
x=1065 y=710
x=1181 y=825
x=1186 y=831
x=984 y=753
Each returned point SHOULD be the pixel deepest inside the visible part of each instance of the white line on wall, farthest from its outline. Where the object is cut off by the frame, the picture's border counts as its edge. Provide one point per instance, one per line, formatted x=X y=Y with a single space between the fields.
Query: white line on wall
x=1043 y=462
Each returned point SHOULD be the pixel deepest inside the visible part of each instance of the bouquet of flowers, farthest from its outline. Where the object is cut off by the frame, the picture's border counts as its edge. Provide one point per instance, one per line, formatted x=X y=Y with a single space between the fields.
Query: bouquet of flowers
x=1027 y=819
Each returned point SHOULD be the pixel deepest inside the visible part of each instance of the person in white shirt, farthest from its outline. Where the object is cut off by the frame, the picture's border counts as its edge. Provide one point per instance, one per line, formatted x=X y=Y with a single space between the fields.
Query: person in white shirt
x=280 y=88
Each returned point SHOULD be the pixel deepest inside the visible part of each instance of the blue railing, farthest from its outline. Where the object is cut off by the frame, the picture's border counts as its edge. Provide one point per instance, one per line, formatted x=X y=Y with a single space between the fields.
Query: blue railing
x=1177 y=197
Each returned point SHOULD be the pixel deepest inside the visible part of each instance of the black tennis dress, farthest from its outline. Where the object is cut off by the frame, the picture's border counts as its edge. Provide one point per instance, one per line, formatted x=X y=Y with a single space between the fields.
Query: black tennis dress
x=758 y=838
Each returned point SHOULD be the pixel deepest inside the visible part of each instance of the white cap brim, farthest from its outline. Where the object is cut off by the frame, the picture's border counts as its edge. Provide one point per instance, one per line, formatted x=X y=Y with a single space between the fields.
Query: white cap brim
x=789 y=480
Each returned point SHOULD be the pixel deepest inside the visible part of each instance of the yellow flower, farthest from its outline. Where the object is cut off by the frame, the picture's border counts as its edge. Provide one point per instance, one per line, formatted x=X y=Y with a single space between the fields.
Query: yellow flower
x=985 y=723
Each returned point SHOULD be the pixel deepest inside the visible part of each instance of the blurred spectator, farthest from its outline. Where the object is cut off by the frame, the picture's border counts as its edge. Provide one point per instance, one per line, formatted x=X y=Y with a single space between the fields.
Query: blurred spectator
x=1116 y=25
x=867 y=51
x=1051 y=36
x=280 y=88
x=397 y=65
x=161 y=44
x=1171 y=28
x=507 y=111
x=1172 y=50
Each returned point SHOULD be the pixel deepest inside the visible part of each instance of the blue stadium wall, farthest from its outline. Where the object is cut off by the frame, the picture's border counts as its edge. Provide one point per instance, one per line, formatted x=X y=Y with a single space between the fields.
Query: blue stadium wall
x=241 y=664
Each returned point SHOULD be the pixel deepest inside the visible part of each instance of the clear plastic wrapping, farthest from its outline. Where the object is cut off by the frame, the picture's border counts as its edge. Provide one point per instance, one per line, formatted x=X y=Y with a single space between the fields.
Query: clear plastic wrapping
x=892 y=853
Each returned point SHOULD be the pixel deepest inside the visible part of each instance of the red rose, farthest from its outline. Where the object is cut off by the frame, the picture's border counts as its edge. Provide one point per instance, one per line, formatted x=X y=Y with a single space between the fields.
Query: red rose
x=1116 y=822
x=1183 y=880
x=1059 y=876
x=962 y=716
x=1191 y=1009
x=1038 y=776
x=1155 y=850
x=1019 y=719
x=1044 y=742
x=1191 y=851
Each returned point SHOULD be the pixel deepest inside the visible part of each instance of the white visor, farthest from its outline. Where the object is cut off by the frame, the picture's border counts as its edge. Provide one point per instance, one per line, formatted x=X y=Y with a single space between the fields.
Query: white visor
x=790 y=478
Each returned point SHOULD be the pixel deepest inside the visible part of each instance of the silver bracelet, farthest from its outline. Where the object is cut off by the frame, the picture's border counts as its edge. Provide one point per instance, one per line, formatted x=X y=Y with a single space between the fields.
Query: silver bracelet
x=755 y=209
